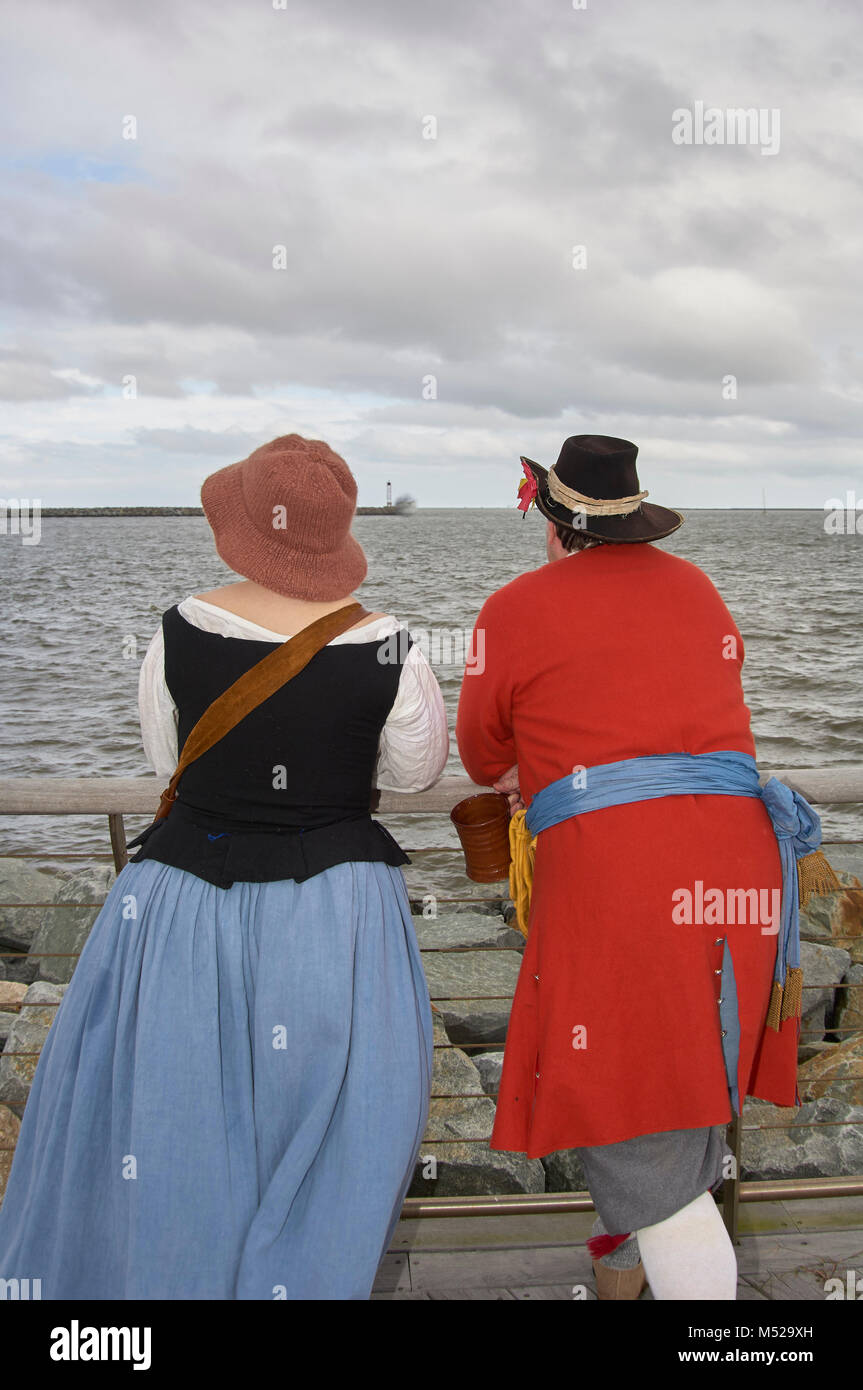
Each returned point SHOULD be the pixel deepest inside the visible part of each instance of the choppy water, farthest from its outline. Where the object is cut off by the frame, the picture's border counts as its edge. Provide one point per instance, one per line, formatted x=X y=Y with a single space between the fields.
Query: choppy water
x=79 y=602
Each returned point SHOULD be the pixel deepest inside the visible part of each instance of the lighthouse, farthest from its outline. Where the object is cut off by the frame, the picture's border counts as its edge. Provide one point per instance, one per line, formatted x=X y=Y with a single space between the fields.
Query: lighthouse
x=389 y=494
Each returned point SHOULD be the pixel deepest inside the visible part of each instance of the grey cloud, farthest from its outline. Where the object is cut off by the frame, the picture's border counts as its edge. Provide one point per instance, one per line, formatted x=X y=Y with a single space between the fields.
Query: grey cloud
x=453 y=257
x=189 y=440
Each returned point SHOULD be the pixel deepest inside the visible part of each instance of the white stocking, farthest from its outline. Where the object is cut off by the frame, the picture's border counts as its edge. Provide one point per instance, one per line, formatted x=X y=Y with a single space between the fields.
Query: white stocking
x=690 y=1254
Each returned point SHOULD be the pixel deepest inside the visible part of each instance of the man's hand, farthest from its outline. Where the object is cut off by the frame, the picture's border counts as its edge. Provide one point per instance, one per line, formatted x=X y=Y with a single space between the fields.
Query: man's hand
x=508 y=784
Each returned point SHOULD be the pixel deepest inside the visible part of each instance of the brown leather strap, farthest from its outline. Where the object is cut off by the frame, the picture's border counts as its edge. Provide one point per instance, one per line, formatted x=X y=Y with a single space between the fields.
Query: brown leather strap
x=256 y=685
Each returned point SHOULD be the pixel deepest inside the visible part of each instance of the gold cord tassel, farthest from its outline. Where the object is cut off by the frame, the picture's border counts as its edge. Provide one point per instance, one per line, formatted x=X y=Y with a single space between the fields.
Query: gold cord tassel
x=792 y=996
x=523 y=851
x=773 y=1012
x=787 y=1001
x=815 y=874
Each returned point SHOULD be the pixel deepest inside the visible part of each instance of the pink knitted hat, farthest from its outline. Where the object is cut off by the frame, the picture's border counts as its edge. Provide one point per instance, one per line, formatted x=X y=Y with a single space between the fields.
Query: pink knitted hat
x=282 y=517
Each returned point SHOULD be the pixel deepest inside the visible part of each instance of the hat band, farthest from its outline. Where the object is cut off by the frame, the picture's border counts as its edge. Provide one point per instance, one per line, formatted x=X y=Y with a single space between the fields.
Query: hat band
x=594 y=506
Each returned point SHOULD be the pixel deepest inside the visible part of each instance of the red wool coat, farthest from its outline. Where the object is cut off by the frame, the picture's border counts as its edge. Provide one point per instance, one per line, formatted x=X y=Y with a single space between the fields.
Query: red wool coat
x=620 y=652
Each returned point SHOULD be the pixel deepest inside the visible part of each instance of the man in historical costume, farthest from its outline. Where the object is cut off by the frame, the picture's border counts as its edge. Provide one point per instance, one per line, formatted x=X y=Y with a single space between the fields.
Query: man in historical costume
x=655 y=948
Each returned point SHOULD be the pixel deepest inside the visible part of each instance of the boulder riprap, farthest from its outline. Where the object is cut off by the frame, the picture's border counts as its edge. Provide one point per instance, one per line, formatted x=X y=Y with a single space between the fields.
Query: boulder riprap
x=837 y=917
x=11 y=994
x=473 y=990
x=480 y=930
x=836 y=1070
x=462 y=1112
x=9 y=1127
x=564 y=1172
x=823 y=967
x=22 y=882
x=789 y=1143
x=489 y=1065
x=66 y=926
x=848 y=1013
x=26 y=1038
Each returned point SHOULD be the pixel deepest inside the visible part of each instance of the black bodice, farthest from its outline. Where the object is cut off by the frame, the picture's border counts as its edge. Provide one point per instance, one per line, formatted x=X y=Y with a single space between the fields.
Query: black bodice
x=284 y=794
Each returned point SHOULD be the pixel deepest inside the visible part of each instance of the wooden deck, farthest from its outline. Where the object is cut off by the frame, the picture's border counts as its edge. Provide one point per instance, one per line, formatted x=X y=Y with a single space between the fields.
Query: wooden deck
x=787 y=1251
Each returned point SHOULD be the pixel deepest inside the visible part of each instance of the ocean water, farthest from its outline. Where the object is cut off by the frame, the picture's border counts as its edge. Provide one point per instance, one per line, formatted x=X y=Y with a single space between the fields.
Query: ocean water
x=82 y=605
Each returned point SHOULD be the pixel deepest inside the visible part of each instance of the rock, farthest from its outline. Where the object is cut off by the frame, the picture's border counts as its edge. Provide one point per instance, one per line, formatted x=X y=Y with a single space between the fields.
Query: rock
x=470 y=1023
x=822 y=966
x=807 y=1050
x=473 y=991
x=27 y=1035
x=477 y=929
x=65 y=928
x=460 y=1110
x=848 y=1012
x=837 y=917
x=563 y=1172
x=468 y=901
x=461 y=1170
x=489 y=1065
x=469 y=1167
x=837 y=1070
x=799 y=1150
x=453 y=1073
x=11 y=994
x=9 y=1127
x=22 y=882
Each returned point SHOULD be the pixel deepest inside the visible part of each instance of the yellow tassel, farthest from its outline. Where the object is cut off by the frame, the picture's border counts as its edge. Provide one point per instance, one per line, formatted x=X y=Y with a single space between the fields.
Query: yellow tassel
x=773 y=1012
x=523 y=852
x=815 y=874
x=793 y=994
x=785 y=1002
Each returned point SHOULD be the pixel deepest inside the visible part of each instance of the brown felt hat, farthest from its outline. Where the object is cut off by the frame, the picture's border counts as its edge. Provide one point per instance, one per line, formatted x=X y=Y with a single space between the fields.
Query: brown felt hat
x=594 y=489
x=282 y=517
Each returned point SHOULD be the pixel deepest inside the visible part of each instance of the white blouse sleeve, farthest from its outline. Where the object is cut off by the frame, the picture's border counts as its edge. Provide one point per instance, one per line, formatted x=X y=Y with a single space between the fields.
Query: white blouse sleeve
x=156 y=709
x=414 y=744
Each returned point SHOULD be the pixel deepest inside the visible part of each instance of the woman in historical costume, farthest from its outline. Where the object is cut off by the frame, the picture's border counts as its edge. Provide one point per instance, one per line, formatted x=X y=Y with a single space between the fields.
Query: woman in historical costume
x=230 y=1102
x=636 y=1029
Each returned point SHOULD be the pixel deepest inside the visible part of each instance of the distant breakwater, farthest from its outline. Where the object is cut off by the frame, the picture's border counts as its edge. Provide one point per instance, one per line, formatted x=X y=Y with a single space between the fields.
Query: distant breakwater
x=180 y=511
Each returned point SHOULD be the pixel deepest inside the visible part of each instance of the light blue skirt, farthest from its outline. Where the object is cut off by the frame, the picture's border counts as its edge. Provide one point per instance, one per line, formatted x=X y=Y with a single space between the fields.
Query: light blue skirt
x=233 y=1094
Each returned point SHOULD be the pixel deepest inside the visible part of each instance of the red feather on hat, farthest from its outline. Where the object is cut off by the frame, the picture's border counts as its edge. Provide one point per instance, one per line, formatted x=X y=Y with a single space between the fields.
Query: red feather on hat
x=527 y=489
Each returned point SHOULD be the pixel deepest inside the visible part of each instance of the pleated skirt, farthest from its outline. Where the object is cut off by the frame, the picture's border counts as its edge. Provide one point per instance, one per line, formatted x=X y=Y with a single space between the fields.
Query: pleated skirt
x=232 y=1097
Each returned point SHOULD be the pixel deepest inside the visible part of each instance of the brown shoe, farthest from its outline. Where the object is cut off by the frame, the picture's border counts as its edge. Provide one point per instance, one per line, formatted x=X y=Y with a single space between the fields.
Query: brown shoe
x=618 y=1283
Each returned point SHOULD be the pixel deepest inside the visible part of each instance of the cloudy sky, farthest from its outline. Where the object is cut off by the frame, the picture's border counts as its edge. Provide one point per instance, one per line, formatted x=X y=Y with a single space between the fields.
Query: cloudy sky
x=224 y=220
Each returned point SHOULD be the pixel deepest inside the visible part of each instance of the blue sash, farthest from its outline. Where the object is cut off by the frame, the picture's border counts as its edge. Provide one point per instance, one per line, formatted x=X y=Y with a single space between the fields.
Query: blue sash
x=796 y=825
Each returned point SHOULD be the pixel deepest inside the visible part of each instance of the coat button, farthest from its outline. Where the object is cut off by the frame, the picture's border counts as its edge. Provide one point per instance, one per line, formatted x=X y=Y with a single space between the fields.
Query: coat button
x=719 y=940
x=717 y=972
x=719 y=1000
x=724 y=1031
x=536 y=977
x=537 y=1076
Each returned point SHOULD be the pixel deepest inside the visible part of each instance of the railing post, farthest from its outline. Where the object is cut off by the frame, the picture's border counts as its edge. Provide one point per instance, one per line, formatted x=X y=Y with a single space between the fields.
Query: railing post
x=117 y=830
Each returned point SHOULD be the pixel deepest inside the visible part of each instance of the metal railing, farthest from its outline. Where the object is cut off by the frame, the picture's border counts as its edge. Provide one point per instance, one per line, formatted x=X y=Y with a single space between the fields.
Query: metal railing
x=118 y=797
